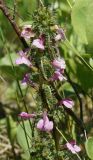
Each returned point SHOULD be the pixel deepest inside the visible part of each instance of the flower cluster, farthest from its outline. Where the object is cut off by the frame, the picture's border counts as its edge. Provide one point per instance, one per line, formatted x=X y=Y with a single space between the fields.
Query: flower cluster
x=23 y=56
x=59 y=65
x=28 y=33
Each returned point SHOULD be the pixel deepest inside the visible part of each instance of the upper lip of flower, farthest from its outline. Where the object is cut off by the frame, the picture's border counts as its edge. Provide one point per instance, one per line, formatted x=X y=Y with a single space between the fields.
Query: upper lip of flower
x=59 y=63
x=38 y=43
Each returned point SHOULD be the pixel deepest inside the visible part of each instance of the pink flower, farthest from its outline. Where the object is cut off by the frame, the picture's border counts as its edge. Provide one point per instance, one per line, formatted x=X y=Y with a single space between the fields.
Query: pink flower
x=44 y=124
x=60 y=34
x=59 y=63
x=39 y=43
x=23 y=59
x=25 y=115
x=27 y=32
x=67 y=103
x=73 y=147
x=57 y=76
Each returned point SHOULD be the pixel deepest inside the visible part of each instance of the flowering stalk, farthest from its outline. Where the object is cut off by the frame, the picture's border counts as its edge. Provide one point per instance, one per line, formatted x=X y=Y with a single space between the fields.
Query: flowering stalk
x=2 y=7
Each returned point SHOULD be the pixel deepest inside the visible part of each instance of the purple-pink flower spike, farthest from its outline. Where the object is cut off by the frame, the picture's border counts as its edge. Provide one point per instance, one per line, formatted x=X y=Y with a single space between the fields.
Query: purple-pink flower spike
x=44 y=124
x=23 y=59
x=73 y=147
x=25 y=115
x=27 y=32
x=67 y=102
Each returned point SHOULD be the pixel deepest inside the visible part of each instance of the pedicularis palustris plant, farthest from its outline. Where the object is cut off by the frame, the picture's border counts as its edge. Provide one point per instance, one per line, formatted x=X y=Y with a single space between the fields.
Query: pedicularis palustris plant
x=50 y=123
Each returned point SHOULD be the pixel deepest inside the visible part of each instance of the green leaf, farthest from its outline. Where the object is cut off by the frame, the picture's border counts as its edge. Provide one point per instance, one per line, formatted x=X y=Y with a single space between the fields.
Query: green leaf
x=21 y=138
x=84 y=76
x=11 y=129
x=6 y=67
x=82 y=15
x=91 y=61
x=6 y=60
x=89 y=147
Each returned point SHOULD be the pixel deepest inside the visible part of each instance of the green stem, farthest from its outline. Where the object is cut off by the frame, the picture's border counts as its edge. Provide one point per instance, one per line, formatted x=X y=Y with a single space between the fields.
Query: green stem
x=2 y=79
x=61 y=134
x=78 y=156
x=26 y=137
x=69 y=4
x=18 y=104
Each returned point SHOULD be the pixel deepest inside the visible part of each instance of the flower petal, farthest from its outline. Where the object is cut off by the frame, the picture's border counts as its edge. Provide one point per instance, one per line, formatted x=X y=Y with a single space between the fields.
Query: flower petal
x=25 y=115
x=48 y=126
x=40 y=124
x=27 y=32
x=77 y=148
x=68 y=103
x=59 y=63
x=70 y=147
x=58 y=76
x=23 y=60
